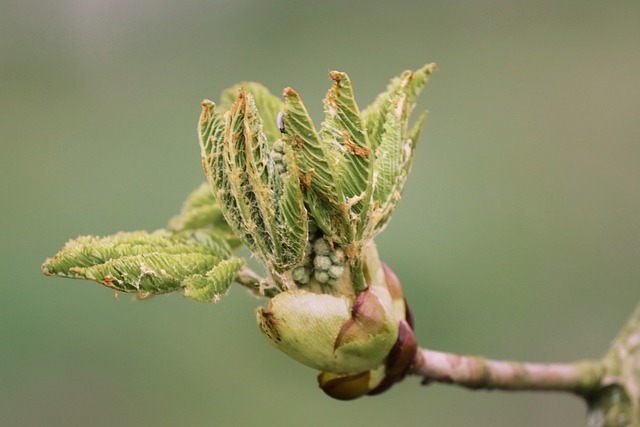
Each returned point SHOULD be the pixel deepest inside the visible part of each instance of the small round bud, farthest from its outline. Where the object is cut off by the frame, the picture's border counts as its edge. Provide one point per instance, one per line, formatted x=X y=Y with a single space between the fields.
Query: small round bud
x=276 y=156
x=278 y=146
x=337 y=256
x=322 y=247
x=336 y=271
x=321 y=276
x=322 y=262
x=301 y=275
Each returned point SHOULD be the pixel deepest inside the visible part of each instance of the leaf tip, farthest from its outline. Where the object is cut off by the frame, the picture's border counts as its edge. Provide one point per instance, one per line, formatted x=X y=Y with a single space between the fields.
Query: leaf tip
x=45 y=267
x=290 y=93
x=336 y=76
x=207 y=103
x=208 y=107
x=429 y=68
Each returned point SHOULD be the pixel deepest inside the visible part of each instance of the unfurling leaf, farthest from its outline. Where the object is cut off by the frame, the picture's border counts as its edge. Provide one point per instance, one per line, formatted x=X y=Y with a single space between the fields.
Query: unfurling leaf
x=267 y=104
x=211 y=135
x=201 y=211
x=335 y=165
x=214 y=284
x=146 y=263
x=349 y=151
x=317 y=175
x=408 y=84
x=394 y=145
x=262 y=204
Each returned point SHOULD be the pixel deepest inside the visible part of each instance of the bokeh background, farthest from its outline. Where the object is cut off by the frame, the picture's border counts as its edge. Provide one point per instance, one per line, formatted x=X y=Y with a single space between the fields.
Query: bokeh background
x=518 y=236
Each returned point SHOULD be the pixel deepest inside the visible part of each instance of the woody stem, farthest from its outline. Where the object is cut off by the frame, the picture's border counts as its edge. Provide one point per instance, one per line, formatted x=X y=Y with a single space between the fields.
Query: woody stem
x=475 y=372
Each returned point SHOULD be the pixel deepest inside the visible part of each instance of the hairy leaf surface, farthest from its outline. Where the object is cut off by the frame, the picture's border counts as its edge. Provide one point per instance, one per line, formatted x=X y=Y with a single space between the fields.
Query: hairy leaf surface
x=386 y=121
x=267 y=104
x=200 y=210
x=215 y=283
x=265 y=207
x=344 y=133
x=317 y=176
x=141 y=262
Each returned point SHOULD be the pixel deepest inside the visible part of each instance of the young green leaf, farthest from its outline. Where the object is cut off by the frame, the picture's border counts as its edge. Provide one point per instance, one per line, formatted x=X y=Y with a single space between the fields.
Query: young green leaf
x=265 y=206
x=410 y=83
x=200 y=210
x=388 y=164
x=211 y=130
x=393 y=193
x=322 y=193
x=394 y=145
x=349 y=150
x=140 y=262
x=335 y=166
x=267 y=104
x=214 y=284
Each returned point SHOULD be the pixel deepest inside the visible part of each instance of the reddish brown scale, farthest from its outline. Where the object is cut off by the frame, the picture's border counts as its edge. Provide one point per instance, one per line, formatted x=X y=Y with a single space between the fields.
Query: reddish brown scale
x=385 y=385
x=397 y=362
x=407 y=314
x=404 y=350
x=345 y=388
x=365 y=318
x=399 y=359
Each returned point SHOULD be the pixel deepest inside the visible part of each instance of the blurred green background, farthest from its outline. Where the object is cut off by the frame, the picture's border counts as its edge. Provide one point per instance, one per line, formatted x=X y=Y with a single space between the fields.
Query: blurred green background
x=518 y=236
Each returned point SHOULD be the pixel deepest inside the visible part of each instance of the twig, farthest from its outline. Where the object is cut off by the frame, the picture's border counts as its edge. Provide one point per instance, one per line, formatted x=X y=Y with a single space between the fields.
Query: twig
x=257 y=284
x=611 y=386
x=479 y=373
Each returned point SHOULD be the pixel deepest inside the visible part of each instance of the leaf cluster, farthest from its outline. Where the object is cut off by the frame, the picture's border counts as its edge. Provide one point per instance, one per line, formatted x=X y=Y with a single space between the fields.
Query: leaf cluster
x=346 y=178
x=274 y=180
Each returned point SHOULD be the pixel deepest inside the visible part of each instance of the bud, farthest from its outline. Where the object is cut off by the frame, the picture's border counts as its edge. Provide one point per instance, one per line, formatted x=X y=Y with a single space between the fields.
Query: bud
x=363 y=345
x=399 y=359
x=307 y=204
x=396 y=364
x=331 y=333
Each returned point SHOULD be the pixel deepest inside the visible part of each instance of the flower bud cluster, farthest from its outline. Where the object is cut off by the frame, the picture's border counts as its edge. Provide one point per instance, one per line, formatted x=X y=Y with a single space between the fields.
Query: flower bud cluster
x=322 y=260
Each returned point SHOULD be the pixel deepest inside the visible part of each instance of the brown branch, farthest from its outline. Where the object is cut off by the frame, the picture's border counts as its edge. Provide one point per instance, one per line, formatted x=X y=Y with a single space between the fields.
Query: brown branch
x=475 y=372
